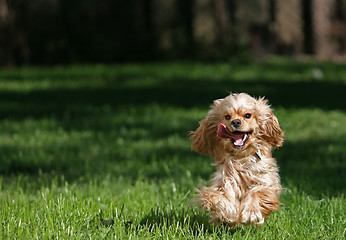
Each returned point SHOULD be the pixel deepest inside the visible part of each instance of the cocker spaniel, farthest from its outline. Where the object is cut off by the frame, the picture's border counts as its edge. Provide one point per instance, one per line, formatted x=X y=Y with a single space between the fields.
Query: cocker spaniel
x=239 y=133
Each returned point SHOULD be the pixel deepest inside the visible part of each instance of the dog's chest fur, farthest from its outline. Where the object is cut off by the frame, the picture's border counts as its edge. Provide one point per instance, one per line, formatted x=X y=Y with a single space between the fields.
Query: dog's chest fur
x=245 y=173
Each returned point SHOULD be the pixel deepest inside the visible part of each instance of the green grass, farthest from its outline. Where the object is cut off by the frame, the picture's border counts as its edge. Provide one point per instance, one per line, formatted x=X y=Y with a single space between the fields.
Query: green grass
x=101 y=151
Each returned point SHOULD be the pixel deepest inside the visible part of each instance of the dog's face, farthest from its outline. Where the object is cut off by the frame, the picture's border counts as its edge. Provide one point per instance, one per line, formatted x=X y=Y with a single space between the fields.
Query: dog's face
x=237 y=121
x=238 y=126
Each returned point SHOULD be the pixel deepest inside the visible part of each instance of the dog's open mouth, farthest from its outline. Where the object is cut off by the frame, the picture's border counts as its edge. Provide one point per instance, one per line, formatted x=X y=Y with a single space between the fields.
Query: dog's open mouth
x=239 y=139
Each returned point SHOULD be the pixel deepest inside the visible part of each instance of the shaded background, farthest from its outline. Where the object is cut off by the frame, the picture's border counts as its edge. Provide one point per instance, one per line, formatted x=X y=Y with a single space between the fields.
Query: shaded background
x=80 y=31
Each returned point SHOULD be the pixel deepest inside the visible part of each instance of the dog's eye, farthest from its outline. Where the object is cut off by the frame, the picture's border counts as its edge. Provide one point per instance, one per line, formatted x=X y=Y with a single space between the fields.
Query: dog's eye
x=228 y=117
x=247 y=115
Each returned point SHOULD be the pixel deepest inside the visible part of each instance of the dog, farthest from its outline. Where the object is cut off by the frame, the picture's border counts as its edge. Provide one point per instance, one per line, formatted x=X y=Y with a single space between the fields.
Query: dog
x=239 y=133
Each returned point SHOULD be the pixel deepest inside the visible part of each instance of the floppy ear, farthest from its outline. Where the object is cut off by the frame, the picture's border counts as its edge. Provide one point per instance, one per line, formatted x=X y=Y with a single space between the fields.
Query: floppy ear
x=217 y=102
x=205 y=137
x=269 y=124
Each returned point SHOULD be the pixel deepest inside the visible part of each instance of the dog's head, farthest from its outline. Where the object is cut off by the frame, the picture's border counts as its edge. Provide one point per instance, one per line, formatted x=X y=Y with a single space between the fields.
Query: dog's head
x=237 y=121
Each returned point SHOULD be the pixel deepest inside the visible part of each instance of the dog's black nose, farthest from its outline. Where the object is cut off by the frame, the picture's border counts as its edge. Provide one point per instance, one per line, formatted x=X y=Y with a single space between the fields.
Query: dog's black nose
x=236 y=123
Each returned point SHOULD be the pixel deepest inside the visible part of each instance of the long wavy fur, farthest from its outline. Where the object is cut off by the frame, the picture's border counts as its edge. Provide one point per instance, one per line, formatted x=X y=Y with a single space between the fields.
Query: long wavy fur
x=245 y=187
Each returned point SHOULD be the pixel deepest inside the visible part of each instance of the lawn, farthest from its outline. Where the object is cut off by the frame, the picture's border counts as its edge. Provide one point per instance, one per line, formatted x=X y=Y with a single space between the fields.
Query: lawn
x=101 y=151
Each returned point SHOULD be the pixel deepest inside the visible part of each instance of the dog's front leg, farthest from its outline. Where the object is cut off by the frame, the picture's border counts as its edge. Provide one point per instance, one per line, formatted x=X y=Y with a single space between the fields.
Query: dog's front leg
x=258 y=204
x=222 y=202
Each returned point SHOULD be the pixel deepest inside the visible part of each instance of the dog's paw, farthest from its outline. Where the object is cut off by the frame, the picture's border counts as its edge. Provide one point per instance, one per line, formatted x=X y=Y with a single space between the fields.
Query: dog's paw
x=252 y=216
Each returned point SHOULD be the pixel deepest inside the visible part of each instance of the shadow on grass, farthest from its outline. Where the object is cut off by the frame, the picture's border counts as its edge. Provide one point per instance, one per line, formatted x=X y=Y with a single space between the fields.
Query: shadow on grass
x=314 y=166
x=317 y=166
x=176 y=92
x=197 y=222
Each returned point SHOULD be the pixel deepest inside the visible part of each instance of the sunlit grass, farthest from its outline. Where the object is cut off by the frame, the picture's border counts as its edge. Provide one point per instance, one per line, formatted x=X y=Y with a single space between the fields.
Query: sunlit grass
x=92 y=152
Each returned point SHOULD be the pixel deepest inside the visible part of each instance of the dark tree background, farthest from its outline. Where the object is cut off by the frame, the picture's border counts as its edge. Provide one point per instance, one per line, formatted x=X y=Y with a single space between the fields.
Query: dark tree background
x=78 y=31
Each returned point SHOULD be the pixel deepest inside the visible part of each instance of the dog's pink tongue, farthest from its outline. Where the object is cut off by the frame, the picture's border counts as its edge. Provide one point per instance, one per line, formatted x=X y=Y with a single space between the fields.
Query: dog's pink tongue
x=238 y=139
x=222 y=131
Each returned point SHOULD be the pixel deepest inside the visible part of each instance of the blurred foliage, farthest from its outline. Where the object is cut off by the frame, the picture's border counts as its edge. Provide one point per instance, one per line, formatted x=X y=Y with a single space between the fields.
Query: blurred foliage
x=89 y=31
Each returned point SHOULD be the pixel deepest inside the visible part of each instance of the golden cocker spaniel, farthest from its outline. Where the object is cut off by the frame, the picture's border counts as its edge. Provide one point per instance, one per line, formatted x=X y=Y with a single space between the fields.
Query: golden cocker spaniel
x=239 y=133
